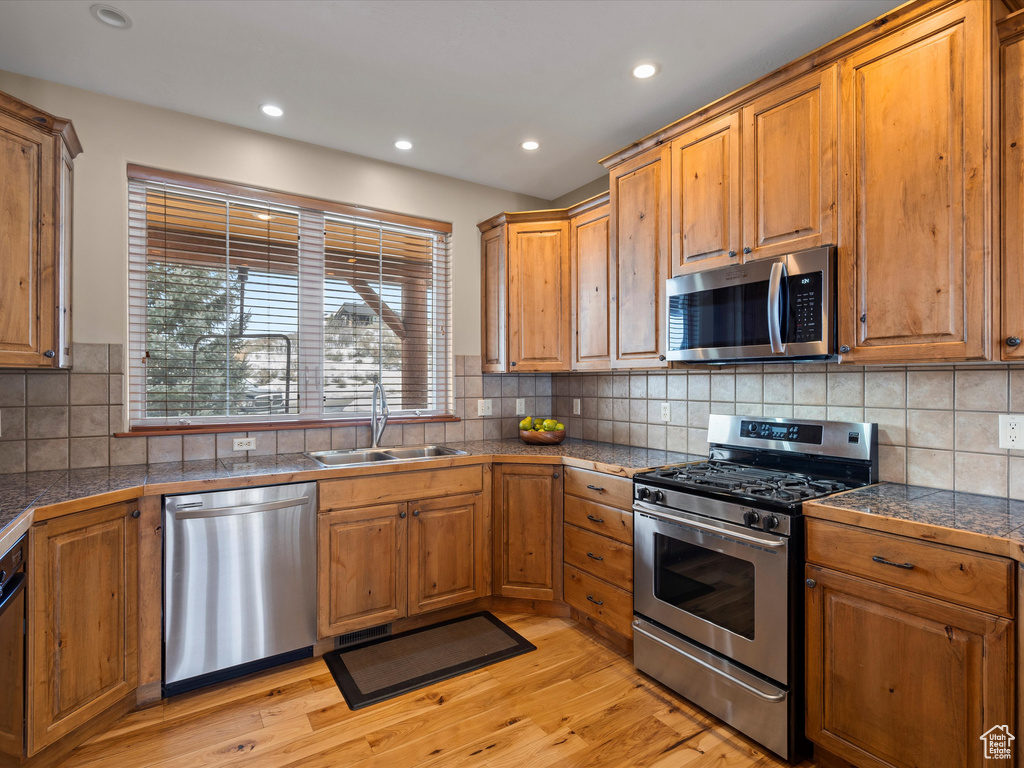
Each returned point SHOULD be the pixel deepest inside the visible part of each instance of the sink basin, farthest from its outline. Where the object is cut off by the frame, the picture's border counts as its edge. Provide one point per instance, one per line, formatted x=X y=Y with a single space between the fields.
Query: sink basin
x=371 y=455
x=422 y=452
x=340 y=458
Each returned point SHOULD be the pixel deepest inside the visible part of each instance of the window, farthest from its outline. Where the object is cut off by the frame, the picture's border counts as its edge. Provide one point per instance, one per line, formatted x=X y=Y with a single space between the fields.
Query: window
x=254 y=306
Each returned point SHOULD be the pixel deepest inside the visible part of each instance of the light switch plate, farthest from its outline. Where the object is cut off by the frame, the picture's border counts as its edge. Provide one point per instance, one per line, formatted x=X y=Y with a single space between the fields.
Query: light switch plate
x=576 y=406
x=484 y=408
x=243 y=444
x=1011 y=431
x=520 y=406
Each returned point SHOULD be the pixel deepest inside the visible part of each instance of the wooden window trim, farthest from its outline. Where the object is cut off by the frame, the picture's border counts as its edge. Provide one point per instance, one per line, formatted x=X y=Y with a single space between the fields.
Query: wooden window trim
x=263 y=426
x=143 y=173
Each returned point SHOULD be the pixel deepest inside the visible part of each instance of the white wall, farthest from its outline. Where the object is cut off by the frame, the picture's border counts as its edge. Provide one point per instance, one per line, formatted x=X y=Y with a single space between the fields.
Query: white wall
x=115 y=132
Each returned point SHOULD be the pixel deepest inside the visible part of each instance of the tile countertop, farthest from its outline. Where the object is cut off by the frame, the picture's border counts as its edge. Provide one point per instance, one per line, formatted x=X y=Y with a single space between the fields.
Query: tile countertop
x=60 y=492
x=981 y=523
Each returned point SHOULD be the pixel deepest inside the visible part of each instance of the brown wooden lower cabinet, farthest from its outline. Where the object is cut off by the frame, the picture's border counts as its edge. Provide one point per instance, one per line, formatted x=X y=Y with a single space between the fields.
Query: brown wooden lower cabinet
x=895 y=679
x=386 y=562
x=528 y=531
x=82 y=623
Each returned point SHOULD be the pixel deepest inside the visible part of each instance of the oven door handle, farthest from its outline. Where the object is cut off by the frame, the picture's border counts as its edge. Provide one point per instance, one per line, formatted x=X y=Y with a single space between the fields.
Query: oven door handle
x=11 y=589
x=772 y=697
x=775 y=307
x=715 y=529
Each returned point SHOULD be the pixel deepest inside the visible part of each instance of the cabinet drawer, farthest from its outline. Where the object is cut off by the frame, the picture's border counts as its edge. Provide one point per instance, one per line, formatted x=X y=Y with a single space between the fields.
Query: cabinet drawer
x=599 y=487
x=608 y=521
x=956 y=575
x=399 y=486
x=599 y=556
x=599 y=600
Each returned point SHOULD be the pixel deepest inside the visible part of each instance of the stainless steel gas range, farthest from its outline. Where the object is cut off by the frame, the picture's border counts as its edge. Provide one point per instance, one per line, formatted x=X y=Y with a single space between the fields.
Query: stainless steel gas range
x=718 y=554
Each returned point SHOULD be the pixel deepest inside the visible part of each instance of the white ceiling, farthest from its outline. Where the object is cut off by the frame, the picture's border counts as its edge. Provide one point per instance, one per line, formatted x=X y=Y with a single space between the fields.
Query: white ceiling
x=466 y=80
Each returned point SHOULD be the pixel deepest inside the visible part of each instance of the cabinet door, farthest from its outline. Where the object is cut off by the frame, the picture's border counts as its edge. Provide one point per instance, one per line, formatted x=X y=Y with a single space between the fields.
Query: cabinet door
x=26 y=245
x=492 y=300
x=639 y=236
x=361 y=573
x=82 y=626
x=448 y=552
x=706 y=196
x=538 y=296
x=528 y=531
x=590 y=282
x=1012 y=153
x=790 y=167
x=896 y=680
x=915 y=226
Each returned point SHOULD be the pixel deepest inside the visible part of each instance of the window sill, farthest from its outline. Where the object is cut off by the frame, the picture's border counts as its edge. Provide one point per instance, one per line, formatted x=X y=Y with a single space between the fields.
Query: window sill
x=262 y=426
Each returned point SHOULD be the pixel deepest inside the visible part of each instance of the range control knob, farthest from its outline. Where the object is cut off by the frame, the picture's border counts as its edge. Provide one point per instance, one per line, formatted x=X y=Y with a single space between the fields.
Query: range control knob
x=642 y=492
x=751 y=518
x=769 y=522
x=659 y=497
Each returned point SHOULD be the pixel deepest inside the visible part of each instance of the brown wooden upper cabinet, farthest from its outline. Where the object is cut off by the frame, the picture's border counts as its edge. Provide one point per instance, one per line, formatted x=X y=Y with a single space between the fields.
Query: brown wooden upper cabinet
x=915 y=230
x=639 y=235
x=1011 y=332
x=545 y=289
x=759 y=181
x=36 y=155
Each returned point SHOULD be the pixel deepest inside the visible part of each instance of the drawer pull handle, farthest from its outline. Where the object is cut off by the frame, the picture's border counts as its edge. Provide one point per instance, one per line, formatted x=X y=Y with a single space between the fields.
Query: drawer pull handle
x=595 y=602
x=592 y=556
x=596 y=488
x=883 y=561
x=593 y=519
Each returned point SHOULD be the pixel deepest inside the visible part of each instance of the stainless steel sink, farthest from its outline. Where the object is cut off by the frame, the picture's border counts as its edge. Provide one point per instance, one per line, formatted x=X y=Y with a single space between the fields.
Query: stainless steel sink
x=422 y=452
x=372 y=455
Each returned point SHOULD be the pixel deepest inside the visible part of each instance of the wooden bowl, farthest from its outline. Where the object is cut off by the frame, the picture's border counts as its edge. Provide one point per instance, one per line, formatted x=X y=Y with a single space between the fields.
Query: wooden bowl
x=541 y=438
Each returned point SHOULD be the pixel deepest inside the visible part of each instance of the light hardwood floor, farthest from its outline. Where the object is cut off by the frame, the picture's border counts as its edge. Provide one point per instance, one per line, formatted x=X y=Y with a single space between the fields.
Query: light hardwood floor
x=572 y=702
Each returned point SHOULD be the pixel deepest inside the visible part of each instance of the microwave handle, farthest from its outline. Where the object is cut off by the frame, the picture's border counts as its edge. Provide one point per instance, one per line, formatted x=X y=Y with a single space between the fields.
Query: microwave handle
x=775 y=307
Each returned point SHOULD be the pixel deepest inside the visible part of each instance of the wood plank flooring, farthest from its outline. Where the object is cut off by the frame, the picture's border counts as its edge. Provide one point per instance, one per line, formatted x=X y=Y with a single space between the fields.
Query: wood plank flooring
x=572 y=702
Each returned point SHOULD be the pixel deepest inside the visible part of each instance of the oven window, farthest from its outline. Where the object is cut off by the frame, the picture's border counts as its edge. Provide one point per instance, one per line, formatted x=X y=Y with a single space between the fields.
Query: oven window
x=712 y=586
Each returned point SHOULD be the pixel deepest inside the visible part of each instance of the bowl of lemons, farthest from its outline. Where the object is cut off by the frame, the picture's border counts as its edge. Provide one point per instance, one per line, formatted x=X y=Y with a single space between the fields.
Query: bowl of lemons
x=541 y=431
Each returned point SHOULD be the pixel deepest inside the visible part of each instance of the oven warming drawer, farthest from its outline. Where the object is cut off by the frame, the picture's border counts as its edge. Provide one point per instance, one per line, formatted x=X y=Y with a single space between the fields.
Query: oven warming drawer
x=757 y=708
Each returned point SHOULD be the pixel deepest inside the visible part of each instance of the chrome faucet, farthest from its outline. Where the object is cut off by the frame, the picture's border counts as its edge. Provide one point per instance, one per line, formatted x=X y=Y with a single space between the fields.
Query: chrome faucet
x=379 y=418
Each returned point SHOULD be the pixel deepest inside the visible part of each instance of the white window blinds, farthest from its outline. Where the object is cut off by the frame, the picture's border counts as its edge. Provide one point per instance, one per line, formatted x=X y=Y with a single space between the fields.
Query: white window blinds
x=245 y=309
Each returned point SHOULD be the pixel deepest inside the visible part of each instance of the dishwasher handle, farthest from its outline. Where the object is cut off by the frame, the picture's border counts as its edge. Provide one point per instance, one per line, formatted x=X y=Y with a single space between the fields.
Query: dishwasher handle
x=241 y=509
x=11 y=590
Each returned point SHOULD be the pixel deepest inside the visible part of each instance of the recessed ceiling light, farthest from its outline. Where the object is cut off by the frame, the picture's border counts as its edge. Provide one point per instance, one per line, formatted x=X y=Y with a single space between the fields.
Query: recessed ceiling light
x=110 y=16
x=403 y=144
x=530 y=145
x=643 y=71
x=271 y=109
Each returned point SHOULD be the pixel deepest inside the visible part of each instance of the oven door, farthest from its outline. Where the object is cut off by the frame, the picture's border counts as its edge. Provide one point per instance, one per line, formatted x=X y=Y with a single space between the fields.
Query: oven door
x=771 y=309
x=718 y=584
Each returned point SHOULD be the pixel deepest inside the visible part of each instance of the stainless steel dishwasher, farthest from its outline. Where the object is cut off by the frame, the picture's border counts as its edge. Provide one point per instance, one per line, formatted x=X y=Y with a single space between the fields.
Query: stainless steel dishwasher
x=239 y=582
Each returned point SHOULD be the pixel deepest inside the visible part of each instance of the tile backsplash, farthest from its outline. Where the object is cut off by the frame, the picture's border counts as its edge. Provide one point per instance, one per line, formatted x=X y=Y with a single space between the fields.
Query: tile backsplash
x=938 y=425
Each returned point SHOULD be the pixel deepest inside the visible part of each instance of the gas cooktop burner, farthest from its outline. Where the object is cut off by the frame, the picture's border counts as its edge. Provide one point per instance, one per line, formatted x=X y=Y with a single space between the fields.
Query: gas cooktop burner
x=741 y=480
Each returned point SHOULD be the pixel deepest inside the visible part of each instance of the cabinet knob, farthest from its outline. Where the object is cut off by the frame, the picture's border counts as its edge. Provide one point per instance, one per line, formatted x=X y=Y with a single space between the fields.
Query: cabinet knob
x=661 y=358
x=746 y=250
x=732 y=253
x=415 y=513
x=811 y=583
x=135 y=514
x=513 y=363
x=1013 y=341
x=49 y=353
x=844 y=349
x=555 y=475
x=402 y=514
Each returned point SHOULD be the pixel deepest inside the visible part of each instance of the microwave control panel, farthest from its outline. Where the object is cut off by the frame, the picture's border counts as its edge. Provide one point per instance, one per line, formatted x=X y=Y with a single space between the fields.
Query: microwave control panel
x=805 y=307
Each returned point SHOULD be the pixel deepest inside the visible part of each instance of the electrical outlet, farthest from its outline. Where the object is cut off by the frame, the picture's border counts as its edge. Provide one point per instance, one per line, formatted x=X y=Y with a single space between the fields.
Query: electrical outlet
x=243 y=444
x=483 y=408
x=1011 y=431
x=666 y=412
x=576 y=406
x=520 y=406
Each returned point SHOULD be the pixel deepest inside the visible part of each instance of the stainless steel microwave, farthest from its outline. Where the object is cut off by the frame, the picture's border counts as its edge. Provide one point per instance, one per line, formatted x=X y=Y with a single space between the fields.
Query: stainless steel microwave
x=771 y=310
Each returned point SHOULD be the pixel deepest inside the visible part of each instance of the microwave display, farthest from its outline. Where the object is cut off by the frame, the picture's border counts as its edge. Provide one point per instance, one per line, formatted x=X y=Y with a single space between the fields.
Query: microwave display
x=735 y=315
